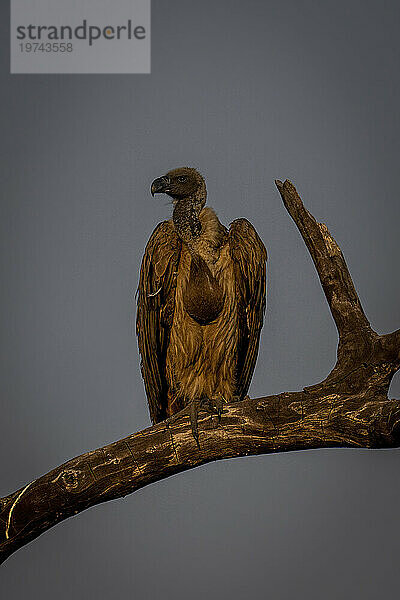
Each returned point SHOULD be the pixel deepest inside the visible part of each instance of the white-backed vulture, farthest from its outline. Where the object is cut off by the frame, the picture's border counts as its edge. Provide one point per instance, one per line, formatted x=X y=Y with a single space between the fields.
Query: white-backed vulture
x=201 y=303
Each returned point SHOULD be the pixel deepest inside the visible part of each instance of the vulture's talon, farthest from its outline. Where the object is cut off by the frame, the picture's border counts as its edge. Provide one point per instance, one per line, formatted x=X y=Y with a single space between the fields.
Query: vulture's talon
x=211 y=406
x=217 y=405
x=194 y=414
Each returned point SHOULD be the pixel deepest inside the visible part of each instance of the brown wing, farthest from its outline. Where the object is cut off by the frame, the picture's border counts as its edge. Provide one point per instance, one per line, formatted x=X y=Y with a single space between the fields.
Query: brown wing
x=249 y=257
x=155 y=310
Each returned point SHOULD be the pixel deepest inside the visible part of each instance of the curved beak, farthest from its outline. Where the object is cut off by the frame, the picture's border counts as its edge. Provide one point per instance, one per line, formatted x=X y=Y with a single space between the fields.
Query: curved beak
x=160 y=185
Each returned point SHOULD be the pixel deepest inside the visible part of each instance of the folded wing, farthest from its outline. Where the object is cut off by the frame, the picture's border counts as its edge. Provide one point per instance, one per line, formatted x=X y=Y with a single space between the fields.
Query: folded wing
x=249 y=257
x=156 y=302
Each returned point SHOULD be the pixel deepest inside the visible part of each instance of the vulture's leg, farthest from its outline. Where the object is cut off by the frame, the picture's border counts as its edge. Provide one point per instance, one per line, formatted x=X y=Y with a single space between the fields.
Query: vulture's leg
x=212 y=406
x=192 y=409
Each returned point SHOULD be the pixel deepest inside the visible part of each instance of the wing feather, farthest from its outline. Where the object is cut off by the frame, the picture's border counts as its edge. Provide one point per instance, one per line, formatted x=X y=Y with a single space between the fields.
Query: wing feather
x=155 y=310
x=249 y=257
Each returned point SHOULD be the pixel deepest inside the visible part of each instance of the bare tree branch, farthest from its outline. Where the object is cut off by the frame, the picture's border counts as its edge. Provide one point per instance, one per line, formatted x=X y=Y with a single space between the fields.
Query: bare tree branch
x=330 y=264
x=350 y=408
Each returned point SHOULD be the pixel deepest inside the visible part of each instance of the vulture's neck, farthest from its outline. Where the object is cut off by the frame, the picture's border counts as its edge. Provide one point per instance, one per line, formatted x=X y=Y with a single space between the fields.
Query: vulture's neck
x=186 y=220
x=199 y=227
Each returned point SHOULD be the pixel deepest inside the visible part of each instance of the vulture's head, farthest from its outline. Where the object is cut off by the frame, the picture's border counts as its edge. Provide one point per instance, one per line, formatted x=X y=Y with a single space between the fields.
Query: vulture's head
x=184 y=183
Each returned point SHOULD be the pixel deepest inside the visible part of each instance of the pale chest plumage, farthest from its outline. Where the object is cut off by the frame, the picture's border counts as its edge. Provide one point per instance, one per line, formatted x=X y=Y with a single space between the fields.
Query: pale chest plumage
x=201 y=359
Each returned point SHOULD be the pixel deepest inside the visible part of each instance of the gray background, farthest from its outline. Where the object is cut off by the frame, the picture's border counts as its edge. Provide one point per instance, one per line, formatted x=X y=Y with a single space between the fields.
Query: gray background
x=247 y=92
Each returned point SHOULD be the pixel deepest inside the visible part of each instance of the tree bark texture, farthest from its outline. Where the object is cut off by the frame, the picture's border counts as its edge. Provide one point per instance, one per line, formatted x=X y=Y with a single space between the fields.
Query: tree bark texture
x=350 y=408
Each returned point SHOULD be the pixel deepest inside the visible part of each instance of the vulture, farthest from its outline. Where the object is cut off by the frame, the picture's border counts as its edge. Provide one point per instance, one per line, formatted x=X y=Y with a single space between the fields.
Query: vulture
x=200 y=304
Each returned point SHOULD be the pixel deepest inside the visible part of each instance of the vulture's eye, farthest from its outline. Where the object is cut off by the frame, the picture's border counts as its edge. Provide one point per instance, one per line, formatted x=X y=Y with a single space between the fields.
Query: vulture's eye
x=182 y=178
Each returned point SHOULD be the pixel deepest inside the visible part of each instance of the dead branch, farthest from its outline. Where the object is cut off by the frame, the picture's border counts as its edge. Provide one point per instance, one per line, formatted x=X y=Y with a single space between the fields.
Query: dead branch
x=350 y=408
